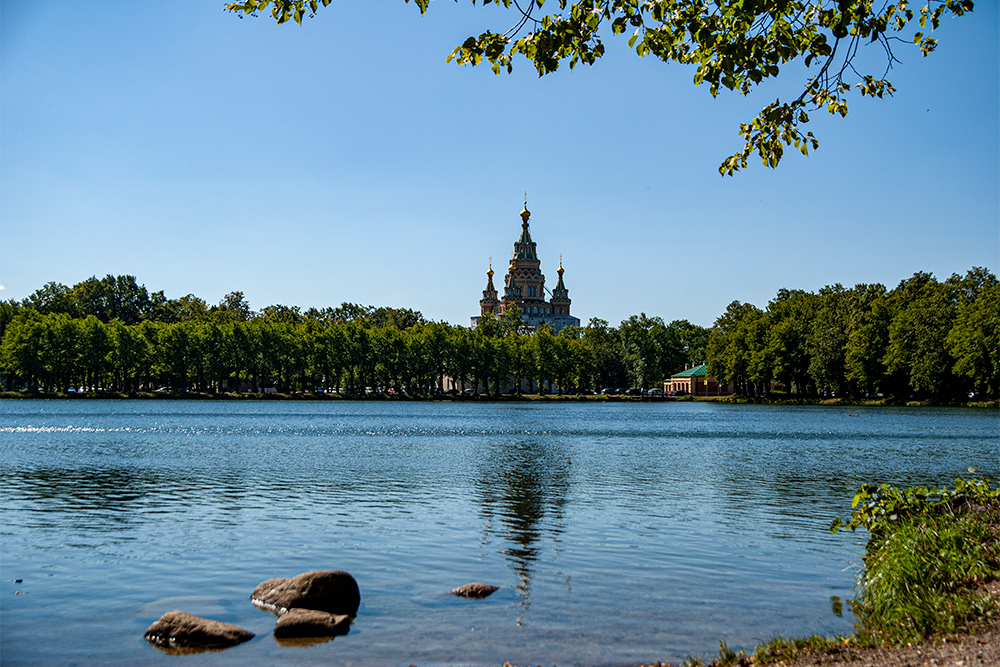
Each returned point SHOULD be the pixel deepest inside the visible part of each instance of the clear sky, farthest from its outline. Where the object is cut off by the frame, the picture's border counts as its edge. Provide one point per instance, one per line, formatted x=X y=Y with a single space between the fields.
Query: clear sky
x=344 y=160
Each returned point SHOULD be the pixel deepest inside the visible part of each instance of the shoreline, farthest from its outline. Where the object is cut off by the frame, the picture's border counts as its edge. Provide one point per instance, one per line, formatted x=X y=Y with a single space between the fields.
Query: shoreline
x=506 y=398
x=975 y=649
x=930 y=592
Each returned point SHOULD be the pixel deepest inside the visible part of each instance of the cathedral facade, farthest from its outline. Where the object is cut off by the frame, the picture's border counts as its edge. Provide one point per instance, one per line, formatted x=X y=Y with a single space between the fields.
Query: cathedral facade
x=524 y=285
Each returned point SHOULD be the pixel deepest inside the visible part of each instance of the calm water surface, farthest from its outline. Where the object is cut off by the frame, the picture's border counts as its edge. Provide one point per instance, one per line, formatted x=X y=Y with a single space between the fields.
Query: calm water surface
x=618 y=533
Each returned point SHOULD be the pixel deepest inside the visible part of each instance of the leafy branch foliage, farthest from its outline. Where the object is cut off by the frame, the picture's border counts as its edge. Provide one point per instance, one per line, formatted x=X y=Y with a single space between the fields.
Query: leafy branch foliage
x=732 y=44
x=876 y=507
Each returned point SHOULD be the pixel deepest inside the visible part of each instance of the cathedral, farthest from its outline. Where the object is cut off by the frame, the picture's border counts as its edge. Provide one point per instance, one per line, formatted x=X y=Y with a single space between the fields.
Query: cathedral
x=524 y=285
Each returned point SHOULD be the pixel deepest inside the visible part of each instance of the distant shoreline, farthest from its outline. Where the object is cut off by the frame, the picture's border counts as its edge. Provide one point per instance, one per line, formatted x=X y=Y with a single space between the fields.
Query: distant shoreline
x=507 y=398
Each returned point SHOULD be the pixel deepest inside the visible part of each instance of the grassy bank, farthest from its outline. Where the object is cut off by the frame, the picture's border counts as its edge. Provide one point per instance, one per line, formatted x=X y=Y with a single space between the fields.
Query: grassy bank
x=889 y=401
x=928 y=558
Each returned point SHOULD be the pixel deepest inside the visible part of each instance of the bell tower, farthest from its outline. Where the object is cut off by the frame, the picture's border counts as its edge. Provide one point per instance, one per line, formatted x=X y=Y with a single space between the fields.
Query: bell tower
x=490 y=301
x=524 y=285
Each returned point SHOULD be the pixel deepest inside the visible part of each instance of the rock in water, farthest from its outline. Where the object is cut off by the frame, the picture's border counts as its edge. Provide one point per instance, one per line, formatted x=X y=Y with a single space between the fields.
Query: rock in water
x=311 y=623
x=475 y=590
x=183 y=630
x=332 y=591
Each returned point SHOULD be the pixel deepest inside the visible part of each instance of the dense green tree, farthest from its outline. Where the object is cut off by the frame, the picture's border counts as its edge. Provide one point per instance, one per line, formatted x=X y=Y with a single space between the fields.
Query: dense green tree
x=732 y=44
x=916 y=346
x=580 y=359
x=419 y=376
x=736 y=349
x=522 y=361
x=608 y=362
x=188 y=308
x=437 y=347
x=491 y=355
x=459 y=364
x=8 y=311
x=21 y=348
x=362 y=357
x=828 y=340
x=974 y=340
x=234 y=307
x=694 y=344
x=867 y=337
x=348 y=312
x=178 y=354
x=545 y=354
x=255 y=354
x=967 y=288
x=283 y=314
x=61 y=351
x=389 y=350
x=129 y=352
x=94 y=347
x=112 y=297
x=399 y=318
x=651 y=351
x=790 y=321
x=52 y=298
x=212 y=368
x=563 y=364
x=151 y=365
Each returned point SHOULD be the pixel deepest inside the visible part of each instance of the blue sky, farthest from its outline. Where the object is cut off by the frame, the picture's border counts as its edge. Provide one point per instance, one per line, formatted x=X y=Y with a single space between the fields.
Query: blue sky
x=344 y=160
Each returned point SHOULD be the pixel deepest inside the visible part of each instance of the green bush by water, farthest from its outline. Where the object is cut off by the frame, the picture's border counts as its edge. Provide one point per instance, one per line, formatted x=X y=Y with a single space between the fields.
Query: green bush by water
x=929 y=553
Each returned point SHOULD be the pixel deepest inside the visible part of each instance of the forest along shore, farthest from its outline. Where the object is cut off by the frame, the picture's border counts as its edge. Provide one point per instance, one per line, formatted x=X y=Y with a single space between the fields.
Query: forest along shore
x=925 y=338
x=980 y=649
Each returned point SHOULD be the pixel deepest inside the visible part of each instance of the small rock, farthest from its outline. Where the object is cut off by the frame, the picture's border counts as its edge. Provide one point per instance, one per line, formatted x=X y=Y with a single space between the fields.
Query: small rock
x=180 y=629
x=332 y=591
x=311 y=623
x=475 y=590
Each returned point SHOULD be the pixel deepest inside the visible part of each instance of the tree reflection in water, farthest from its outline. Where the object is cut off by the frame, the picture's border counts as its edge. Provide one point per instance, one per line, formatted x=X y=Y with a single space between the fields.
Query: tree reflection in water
x=523 y=486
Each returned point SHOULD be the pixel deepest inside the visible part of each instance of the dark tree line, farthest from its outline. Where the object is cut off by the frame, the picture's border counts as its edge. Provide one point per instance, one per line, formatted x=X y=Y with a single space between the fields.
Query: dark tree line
x=111 y=333
x=925 y=337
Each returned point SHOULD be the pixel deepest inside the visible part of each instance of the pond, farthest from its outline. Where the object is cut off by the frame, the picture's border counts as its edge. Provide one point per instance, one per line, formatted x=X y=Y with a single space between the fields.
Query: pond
x=618 y=533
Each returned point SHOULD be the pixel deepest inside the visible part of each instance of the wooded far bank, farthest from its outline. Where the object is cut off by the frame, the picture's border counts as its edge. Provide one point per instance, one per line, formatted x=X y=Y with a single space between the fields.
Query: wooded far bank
x=924 y=339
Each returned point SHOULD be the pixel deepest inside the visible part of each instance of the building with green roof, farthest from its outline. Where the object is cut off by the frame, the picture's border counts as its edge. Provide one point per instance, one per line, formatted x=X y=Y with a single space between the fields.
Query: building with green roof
x=695 y=380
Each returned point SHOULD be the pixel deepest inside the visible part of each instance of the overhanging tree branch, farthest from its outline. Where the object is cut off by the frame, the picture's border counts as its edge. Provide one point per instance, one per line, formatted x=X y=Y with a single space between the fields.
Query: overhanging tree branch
x=733 y=45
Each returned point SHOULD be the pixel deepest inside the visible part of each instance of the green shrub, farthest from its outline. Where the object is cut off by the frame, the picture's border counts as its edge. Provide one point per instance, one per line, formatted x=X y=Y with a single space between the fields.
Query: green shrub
x=929 y=552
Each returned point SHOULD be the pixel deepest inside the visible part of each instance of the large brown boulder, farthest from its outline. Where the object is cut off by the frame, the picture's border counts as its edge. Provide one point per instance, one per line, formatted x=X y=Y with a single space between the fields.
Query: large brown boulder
x=332 y=591
x=311 y=623
x=475 y=590
x=179 y=629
